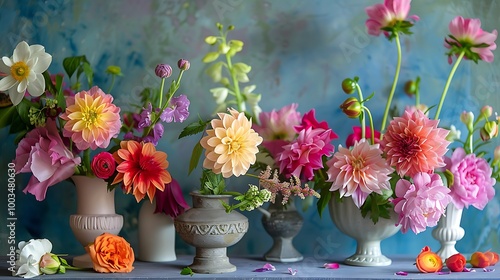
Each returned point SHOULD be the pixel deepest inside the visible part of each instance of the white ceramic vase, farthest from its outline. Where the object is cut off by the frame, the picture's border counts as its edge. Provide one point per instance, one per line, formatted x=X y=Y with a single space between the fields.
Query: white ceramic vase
x=448 y=231
x=348 y=219
x=211 y=230
x=95 y=214
x=156 y=235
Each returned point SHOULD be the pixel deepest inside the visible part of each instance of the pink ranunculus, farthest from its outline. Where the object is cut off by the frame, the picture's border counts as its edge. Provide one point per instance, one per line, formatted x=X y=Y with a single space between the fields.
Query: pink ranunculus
x=472 y=183
x=422 y=203
x=386 y=15
x=43 y=153
x=467 y=33
x=170 y=201
x=103 y=165
x=304 y=154
x=277 y=128
x=413 y=143
x=356 y=135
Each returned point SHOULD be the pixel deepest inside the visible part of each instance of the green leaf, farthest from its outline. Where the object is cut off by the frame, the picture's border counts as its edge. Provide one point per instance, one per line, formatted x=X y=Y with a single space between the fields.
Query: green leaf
x=6 y=115
x=211 y=183
x=323 y=201
x=88 y=72
x=209 y=57
x=195 y=157
x=194 y=128
x=187 y=271
x=71 y=64
x=23 y=109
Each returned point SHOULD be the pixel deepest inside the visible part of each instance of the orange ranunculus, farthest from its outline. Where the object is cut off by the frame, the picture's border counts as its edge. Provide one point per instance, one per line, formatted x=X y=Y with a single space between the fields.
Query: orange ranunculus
x=456 y=263
x=479 y=259
x=428 y=261
x=492 y=256
x=111 y=253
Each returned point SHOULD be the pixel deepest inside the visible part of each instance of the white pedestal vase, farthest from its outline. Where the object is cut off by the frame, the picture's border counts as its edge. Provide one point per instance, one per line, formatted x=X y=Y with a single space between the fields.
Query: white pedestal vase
x=348 y=219
x=448 y=231
x=95 y=214
x=156 y=234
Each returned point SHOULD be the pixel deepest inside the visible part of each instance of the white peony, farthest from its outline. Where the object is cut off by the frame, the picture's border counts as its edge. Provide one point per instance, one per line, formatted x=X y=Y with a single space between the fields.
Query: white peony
x=24 y=71
x=29 y=256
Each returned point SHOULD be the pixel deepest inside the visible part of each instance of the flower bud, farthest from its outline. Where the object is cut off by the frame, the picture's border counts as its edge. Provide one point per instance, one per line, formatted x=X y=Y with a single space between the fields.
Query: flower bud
x=163 y=70
x=496 y=154
x=454 y=134
x=183 y=64
x=478 y=259
x=348 y=85
x=114 y=70
x=49 y=264
x=487 y=111
x=456 y=263
x=468 y=119
x=489 y=130
x=411 y=88
x=351 y=107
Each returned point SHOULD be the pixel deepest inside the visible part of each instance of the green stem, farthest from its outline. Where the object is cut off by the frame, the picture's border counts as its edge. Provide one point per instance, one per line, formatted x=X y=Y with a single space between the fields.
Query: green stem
x=372 y=130
x=86 y=161
x=394 y=83
x=112 y=84
x=362 y=117
x=162 y=85
x=236 y=85
x=447 y=85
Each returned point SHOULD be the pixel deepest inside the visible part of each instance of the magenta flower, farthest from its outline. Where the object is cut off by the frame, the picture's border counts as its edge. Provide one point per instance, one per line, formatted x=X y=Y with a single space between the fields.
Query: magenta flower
x=171 y=201
x=43 y=153
x=277 y=128
x=163 y=71
x=155 y=134
x=309 y=120
x=413 y=143
x=391 y=16
x=145 y=116
x=356 y=135
x=304 y=154
x=472 y=183
x=177 y=110
x=103 y=165
x=359 y=171
x=467 y=35
x=422 y=203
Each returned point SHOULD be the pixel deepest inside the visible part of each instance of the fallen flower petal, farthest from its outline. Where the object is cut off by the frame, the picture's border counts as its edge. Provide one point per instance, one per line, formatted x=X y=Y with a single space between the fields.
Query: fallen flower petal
x=401 y=273
x=292 y=271
x=266 y=267
x=466 y=269
x=331 y=265
x=443 y=272
x=488 y=269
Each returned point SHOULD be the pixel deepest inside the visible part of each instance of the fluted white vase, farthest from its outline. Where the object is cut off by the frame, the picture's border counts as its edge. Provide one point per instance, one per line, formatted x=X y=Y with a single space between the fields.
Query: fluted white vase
x=448 y=231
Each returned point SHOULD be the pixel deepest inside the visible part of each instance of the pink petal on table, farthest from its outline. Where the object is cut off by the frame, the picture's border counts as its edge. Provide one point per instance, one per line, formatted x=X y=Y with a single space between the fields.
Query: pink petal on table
x=292 y=271
x=468 y=270
x=266 y=267
x=488 y=269
x=331 y=265
x=443 y=272
x=401 y=273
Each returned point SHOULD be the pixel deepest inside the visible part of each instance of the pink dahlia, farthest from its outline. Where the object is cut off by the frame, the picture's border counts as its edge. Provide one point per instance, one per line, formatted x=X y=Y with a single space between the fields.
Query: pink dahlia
x=91 y=119
x=277 y=128
x=388 y=14
x=413 y=143
x=467 y=35
x=422 y=203
x=359 y=171
x=472 y=183
x=305 y=154
x=356 y=135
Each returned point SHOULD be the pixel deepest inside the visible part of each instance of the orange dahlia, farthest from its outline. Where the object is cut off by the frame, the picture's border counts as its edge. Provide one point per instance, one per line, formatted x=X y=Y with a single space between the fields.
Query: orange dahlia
x=141 y=168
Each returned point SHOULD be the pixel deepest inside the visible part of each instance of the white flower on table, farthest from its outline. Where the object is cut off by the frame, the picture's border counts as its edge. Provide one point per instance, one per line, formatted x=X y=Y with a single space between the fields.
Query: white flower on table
x=29 y=256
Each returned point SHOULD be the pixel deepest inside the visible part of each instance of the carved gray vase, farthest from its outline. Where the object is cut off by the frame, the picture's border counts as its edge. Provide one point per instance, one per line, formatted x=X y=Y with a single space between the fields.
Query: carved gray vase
x=211 y=230
x=282 y=224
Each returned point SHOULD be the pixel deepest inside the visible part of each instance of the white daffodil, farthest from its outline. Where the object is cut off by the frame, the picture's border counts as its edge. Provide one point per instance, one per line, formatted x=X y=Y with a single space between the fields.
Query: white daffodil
x=24 y=71
x=30 y=254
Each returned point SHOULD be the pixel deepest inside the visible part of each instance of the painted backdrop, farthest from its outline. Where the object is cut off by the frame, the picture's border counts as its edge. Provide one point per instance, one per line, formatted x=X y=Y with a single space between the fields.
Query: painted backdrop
x=300 y=51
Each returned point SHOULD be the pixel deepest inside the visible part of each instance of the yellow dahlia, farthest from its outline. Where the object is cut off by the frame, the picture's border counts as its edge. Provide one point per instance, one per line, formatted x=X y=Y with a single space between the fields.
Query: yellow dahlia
x=92 y=119
x=231 y=144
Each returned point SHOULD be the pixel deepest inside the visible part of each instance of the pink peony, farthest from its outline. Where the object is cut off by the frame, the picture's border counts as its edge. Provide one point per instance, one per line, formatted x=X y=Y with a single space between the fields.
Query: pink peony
x=359 y=171
x=43 y=153
x=356 y=135
x=170 y=201
x=277 y=128
x=387 y=15
x=103 y=165
x=422 y=203
x=472 y=184
x=413 y=143
x=467 y=33
x=304 y=155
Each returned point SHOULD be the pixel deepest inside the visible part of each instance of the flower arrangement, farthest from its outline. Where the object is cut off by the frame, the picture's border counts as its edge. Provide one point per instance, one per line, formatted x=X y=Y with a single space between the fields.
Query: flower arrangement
x=403 y=167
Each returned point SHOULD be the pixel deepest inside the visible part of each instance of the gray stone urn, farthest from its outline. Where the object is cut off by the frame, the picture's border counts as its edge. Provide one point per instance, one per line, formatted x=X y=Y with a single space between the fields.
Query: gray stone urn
x=211 y=230
x=282 y=224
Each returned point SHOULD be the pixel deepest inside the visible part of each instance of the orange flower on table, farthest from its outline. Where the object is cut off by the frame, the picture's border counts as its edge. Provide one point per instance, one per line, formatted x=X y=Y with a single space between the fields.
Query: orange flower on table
x=428 y=261
x=111 y=253
x=492 y=256
x=141 y=168
x=480 y=260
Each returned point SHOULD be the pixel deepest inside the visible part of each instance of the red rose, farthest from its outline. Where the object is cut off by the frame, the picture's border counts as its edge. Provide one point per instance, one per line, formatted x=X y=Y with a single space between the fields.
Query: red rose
x=456 y=263
x=103 y=165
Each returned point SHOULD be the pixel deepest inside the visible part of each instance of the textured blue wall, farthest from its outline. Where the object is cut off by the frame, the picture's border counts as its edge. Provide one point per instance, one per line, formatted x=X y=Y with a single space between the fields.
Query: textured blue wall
x=300 y=52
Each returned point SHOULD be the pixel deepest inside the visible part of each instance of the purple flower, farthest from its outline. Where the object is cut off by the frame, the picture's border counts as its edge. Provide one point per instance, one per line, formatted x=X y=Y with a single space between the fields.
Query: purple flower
x=155 y=135
x=183 y=64
x=170 y=201
x=145 y=120
x=163 y=70
x=472 y=184
x=177 y=111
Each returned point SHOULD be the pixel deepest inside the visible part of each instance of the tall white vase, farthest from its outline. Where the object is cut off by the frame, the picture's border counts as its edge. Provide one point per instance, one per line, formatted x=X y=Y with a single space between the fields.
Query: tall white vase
x=156 y=235
x=348 y=219
x=448 y=231
x=95 y=214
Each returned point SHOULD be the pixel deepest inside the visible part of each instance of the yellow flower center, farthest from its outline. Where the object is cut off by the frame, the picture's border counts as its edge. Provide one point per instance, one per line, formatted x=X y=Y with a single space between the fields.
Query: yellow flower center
x=89 y=116
x=19 y=71
x=232 y=146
